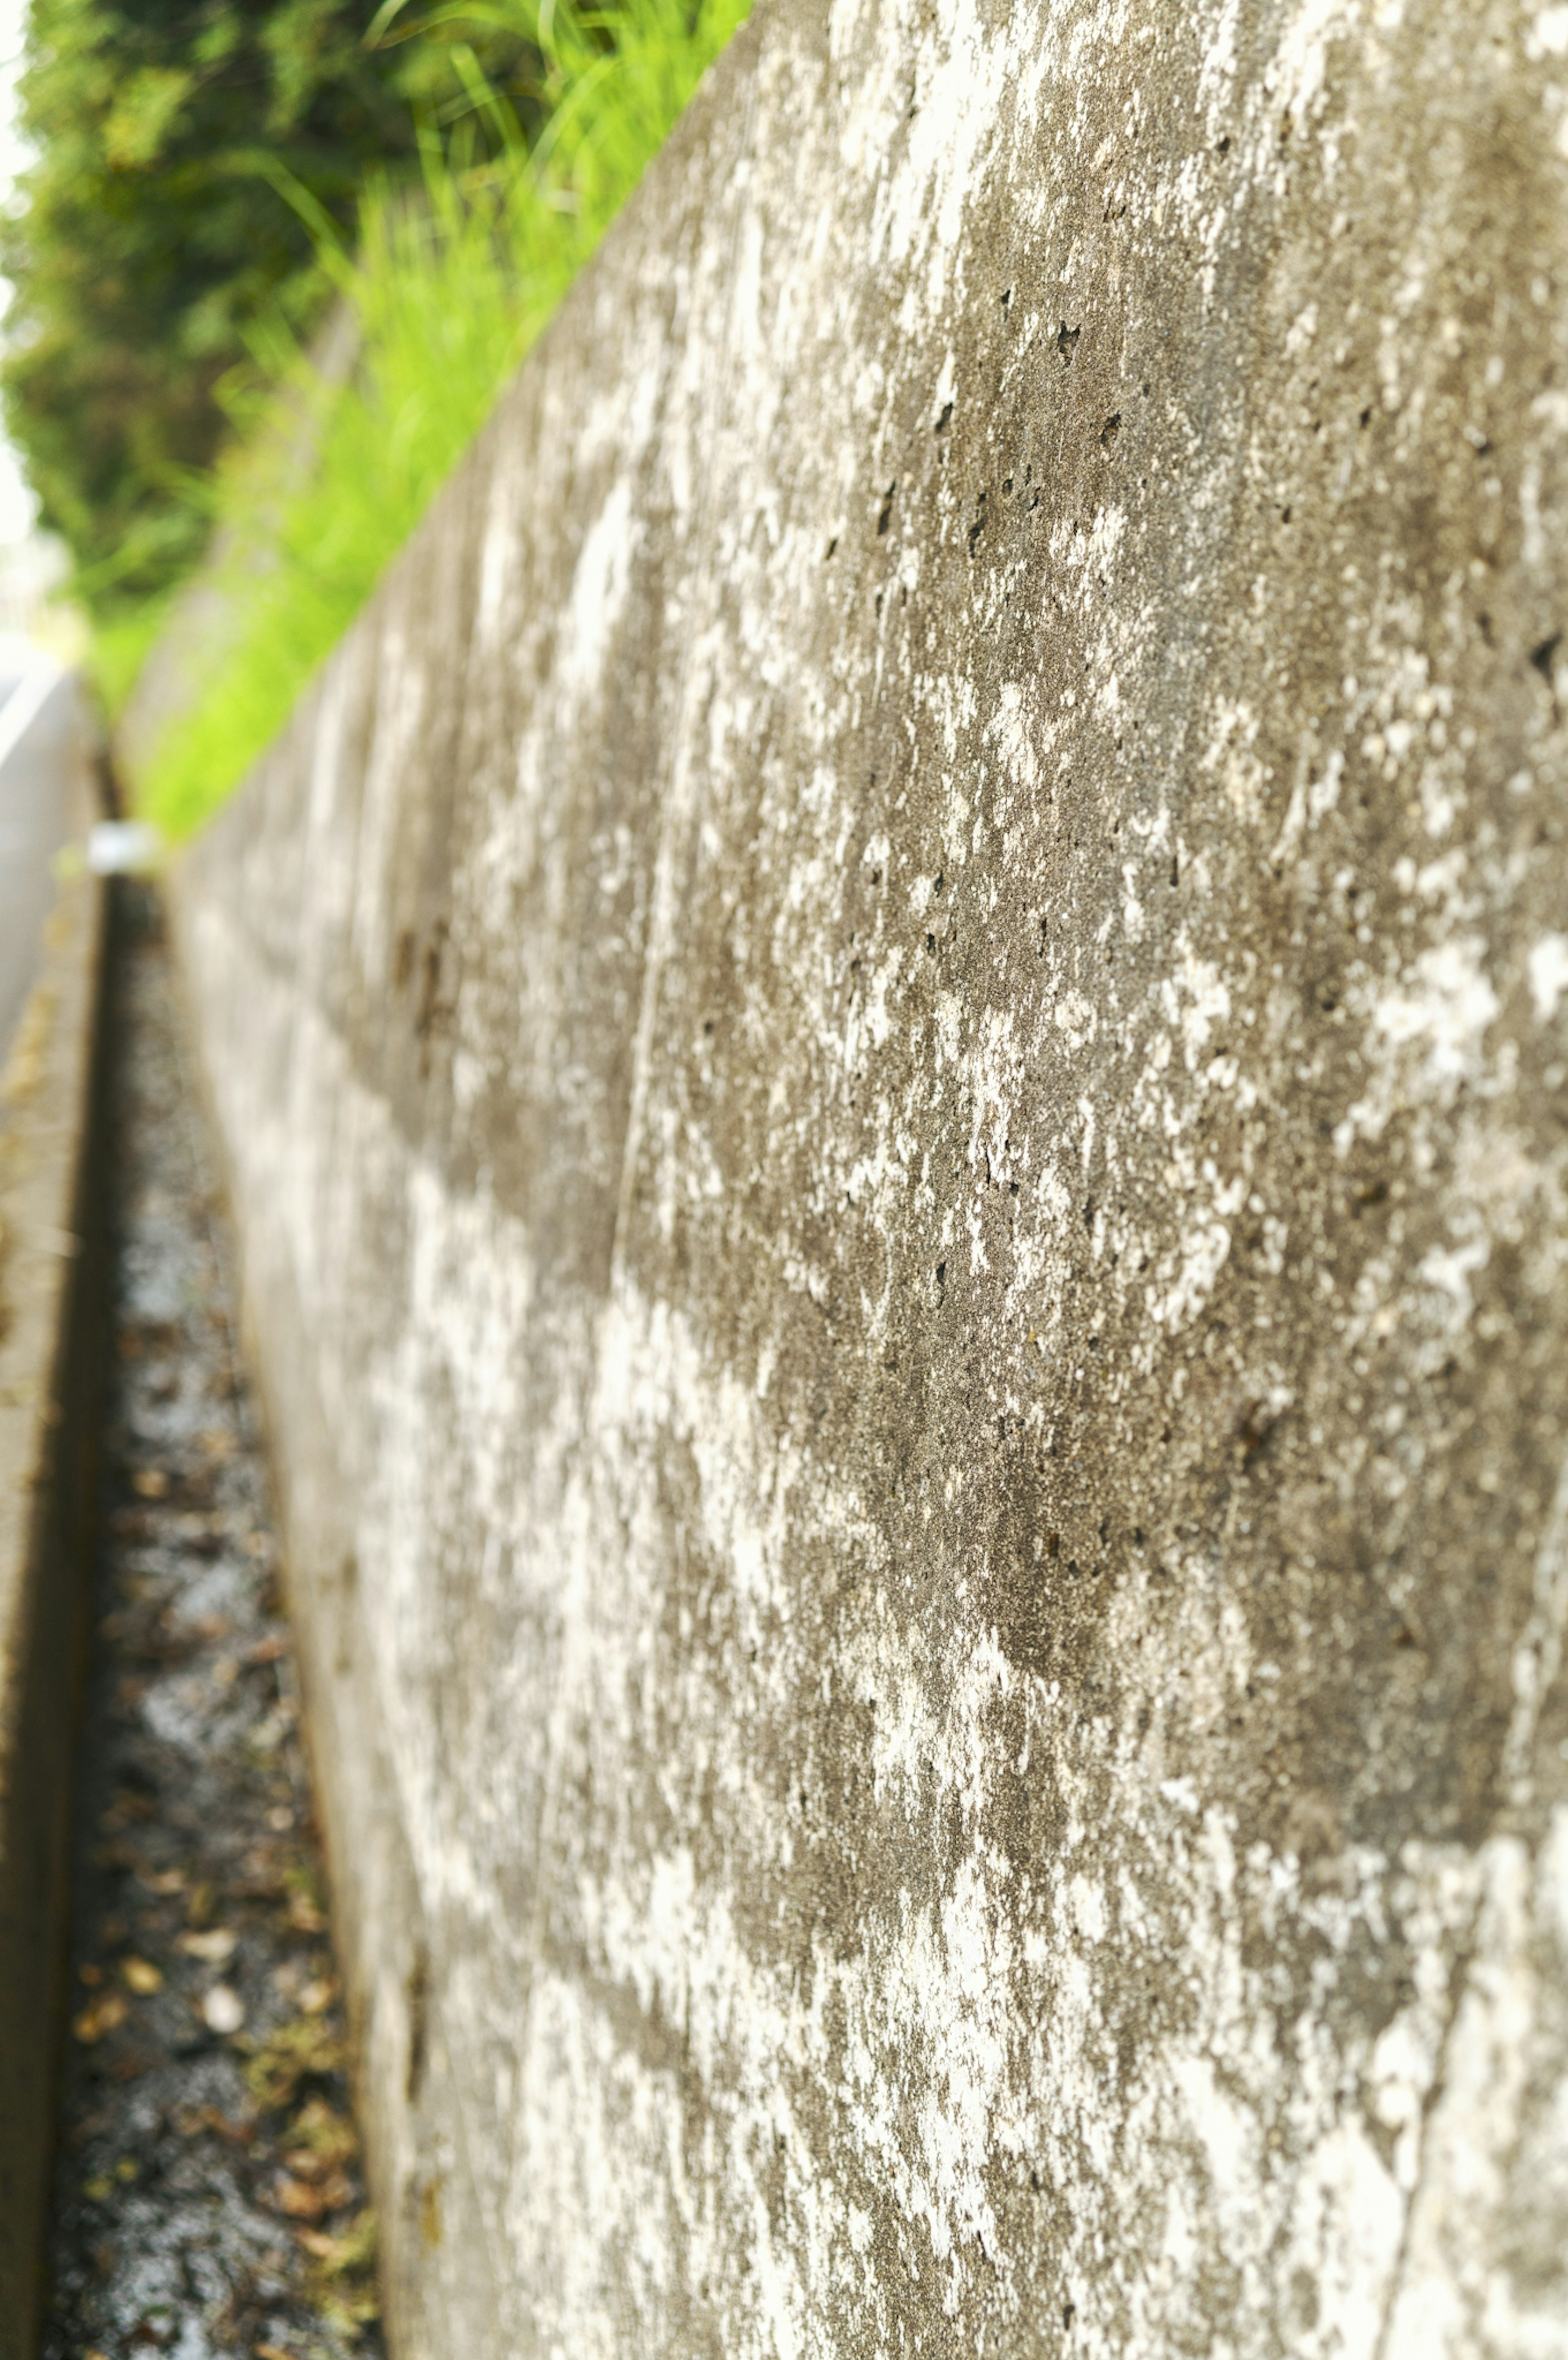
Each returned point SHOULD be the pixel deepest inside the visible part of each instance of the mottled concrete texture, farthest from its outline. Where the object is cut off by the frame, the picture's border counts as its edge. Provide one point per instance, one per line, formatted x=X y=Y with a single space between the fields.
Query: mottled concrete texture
x=894 y=1038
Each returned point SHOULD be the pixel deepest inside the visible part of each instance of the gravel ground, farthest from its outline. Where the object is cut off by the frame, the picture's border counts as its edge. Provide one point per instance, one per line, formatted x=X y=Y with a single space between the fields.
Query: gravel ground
x=208 y=2198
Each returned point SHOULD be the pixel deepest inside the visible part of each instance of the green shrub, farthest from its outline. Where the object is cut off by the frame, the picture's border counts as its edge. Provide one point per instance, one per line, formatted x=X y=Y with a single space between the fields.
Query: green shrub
x=449 y=292
x=155 y=242
x=121 y=645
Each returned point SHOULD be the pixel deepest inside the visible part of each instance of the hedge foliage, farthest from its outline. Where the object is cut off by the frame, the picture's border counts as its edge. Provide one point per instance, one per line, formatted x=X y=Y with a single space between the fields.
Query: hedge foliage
x=166 y=246
x=446 y=289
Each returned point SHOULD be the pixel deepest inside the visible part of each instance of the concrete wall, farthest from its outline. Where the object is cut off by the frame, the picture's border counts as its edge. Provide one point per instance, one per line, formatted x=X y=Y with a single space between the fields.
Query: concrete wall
x=894 y=1039
x=44 y=769
x=51 y=1279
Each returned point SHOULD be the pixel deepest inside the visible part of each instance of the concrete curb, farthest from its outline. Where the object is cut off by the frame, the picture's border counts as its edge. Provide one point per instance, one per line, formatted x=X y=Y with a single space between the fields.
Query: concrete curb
x=51 y=1273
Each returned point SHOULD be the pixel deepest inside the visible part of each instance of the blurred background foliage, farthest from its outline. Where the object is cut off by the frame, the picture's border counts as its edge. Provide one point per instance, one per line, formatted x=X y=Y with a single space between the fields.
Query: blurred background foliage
x=167 y=244
x=273 y=263
x=443 y=284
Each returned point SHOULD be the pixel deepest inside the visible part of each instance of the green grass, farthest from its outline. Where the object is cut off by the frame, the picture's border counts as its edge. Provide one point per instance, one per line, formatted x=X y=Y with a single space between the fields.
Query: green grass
x=119 y=649
x=450 y=287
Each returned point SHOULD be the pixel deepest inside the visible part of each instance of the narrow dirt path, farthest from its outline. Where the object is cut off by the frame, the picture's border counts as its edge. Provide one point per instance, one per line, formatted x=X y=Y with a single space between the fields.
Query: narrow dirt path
x=208 y=2198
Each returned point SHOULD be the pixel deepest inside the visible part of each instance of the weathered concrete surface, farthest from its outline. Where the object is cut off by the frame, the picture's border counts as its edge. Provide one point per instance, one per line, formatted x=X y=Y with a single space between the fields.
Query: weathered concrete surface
x=50 y=1273
x=41 y=720
x=894 y=1043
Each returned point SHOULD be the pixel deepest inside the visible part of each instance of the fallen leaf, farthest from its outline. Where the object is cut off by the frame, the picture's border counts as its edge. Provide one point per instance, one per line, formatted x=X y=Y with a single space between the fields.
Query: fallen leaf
x=299 y=2198
x=263 y=1887
x=105 y=2014
x=150 y=1483
x=304 y=1916
x=328 y=2138
x=190 y=2122
x=354 y=2250
x=263 y=2352
x=317 y=1998
x=328 y=2184
x=143 y=1977
x=165 y=1881
x=294 y=2052
x=350 y=2308
x=215 y=1947
x=348 y=2304
x=127 y=1806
